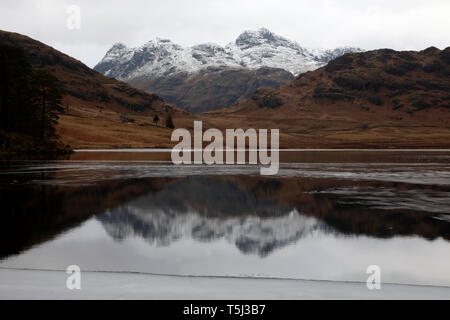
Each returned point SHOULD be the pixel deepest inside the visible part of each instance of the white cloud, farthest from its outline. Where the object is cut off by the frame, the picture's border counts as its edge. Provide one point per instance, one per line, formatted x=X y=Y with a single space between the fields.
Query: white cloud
x=401 y=24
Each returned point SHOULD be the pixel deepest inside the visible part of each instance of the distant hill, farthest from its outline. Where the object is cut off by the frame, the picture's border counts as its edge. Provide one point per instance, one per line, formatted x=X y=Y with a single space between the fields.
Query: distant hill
x=212 y=88
x=380 y=98
x=81 y=82
x=99 y=111
x=208 y=76
x=377 y=99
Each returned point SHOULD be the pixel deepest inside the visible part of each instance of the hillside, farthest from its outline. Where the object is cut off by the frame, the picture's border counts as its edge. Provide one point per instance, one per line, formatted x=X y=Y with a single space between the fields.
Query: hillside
x=381 y=98
x=212 y=88
x=83 y=83
x=98 y=109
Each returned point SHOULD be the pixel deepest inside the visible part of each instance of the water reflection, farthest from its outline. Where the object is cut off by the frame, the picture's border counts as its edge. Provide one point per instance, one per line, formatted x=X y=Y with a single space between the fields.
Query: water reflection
x=257 y=215
x=207 y=209
x=318 y=220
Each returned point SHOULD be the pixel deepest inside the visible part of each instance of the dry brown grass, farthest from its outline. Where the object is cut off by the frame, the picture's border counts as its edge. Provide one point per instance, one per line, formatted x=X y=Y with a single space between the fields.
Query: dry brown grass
x=85 y=128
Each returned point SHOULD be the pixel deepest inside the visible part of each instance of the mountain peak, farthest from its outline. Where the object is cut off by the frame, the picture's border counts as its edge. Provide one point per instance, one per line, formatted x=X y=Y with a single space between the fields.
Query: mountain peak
x=262 y=36
x=118 y=46
x=117 y=50
x=252 y=49
x=266 y=33
x=158 y=42
x=261 y=32
x=163 y=40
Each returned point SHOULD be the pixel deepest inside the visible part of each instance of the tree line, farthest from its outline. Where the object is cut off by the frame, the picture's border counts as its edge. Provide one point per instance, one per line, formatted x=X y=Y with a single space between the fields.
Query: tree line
x=169 y=121
x=30 y=100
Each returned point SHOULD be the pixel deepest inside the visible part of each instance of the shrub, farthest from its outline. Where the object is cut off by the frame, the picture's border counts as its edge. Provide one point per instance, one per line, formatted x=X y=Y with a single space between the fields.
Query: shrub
x=269 y=100
x=445 y=55
x=169 y=122
x=320 y=92
x=341 y=63
x=399 y=68
x=433 y=67
x=419 y=102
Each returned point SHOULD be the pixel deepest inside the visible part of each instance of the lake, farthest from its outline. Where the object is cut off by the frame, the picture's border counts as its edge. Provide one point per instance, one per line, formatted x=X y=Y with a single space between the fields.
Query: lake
x=327 y=215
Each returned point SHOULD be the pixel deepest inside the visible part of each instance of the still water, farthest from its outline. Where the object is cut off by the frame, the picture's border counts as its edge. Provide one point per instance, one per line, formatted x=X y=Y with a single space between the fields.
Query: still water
x=327 y=215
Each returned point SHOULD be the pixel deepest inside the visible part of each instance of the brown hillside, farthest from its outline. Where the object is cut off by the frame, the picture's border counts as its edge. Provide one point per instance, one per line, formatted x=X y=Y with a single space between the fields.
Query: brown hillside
x=380 y=98
x=376 y=99
x=102 y=112
x=214 y=87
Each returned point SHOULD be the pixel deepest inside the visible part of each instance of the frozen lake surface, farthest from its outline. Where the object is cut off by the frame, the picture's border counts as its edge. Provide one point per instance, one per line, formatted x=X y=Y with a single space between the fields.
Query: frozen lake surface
x=326 y=216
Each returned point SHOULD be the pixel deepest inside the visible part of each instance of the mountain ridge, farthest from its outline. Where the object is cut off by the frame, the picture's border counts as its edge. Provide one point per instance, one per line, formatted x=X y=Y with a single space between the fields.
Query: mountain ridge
x=98 y=110
x=208 y=76
x=81 y=82
x=251 y=49
x=375 y=99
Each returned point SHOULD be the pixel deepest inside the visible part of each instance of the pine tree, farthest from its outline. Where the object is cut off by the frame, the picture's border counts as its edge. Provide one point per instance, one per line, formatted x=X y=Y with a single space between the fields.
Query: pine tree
x=16 y=107
x=48 y=97
x=169 y=122
x=156 y=119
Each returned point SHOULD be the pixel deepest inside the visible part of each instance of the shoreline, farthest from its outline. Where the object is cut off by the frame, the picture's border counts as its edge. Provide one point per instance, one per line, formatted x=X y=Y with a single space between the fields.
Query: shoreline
x=280 y=150
x=48 y=284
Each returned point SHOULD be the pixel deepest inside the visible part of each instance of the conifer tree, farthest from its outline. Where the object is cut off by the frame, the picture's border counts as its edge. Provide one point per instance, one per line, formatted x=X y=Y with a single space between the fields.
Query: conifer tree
x=156 y=119
x=48 y=98
x=16 y=108
x=169 y=122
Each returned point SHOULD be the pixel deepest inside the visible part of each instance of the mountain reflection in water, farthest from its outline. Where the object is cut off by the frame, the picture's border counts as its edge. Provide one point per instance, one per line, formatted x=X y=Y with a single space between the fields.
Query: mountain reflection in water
x=256 y=214
x=327 y=217
x=196 y=208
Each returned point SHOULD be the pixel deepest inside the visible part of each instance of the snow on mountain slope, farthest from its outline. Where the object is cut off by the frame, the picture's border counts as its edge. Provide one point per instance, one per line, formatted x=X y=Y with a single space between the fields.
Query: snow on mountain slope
x=262 y=48
x=252 y=49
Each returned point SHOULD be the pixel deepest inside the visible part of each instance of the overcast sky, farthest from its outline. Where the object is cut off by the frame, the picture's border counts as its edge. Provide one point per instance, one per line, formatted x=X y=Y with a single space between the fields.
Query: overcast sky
x=369 y=24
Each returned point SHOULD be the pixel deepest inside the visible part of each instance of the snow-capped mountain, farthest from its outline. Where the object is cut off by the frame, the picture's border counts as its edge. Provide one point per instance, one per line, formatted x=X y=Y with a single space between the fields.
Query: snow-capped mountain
x=252 y=49
x=262 y=48
x=161 y=57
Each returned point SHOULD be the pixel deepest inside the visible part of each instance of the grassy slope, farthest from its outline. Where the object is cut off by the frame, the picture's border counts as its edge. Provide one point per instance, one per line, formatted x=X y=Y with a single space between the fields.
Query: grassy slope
x=98 y=106
x=315 y=110
x=378 y=99
x=360 y=100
